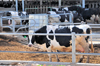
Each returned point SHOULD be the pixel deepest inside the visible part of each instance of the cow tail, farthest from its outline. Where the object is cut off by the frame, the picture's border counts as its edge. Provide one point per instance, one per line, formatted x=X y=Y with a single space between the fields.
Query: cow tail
x=92 y=49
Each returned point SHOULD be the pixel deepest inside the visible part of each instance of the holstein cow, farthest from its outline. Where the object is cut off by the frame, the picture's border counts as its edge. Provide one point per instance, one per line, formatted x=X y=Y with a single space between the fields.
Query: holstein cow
x=63 y=13
x=55 y=17
x=16 y=16
x=86 y=13
x=62 y=43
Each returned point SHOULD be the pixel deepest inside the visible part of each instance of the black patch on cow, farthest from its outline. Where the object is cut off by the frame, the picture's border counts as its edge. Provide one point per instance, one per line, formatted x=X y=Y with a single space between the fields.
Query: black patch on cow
x=77 y=30
x=88 y=31
x=8 y=14
x=63 y=40
x=62 y=16
x=48 y=43
x=51 y=37
x=42 y=30
x=41 y=39
x=87 y=38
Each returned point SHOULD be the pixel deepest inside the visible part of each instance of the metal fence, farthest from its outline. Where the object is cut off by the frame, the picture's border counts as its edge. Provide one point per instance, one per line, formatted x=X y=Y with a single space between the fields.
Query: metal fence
x=74 y=53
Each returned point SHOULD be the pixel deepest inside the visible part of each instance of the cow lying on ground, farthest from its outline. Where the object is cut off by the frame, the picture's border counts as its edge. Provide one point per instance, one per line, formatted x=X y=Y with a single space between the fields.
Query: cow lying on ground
x=17 y=16
x=62 y=43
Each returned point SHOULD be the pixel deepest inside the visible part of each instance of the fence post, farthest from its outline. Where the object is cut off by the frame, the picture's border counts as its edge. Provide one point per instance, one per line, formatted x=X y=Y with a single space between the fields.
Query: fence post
x=70 y=18
x=22 y=5
x=13 y=25
x=83 y=3
x=16 y=5
x=73 y=49
x=0 y=23
x=59 y=3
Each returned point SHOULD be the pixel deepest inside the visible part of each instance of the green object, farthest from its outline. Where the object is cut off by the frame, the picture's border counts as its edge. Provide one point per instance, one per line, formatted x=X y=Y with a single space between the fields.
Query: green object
x=24 y=36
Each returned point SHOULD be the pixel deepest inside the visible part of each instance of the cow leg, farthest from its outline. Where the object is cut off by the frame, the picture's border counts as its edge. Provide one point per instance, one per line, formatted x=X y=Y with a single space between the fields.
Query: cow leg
x=56 y=56
x=85 y=45
x=81 y=59
x=50 y=58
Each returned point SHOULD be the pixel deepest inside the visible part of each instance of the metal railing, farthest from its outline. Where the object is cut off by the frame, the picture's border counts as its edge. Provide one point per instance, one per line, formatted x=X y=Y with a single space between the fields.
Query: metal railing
x=73 y=63
x=13 y=26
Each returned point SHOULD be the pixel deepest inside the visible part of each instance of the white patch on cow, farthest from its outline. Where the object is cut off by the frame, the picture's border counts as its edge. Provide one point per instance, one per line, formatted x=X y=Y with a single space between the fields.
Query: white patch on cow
x=53 y=14
x=15 y=17
x=24 y=12
x=55 y=8
x=30 y=36
x=9 y=22
x=49 y=28
x=14 y=13
x=86 y=8
x=66 y=20
x=70 y=27
x=84 y=27
x=92 y=18
x=66 y=8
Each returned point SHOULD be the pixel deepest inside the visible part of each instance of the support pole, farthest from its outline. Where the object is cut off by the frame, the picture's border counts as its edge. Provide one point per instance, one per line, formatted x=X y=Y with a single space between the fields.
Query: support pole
x=59 y=3
x=73 y=49
x=22 y=5
x=83 y=3
x=17 y=5
x=40 y=2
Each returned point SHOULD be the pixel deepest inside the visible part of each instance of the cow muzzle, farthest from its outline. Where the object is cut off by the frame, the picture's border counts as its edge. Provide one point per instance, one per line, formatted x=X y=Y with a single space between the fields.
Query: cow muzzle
x=30 y=45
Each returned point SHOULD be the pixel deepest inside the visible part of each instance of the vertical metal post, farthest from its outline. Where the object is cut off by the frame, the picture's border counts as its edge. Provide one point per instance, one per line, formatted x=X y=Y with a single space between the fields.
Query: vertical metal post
x=22 y=5
x=83 y=3
x=40 y=2
x=70 y=17
x=1 y=23
x=13 y=25
x=59 y=3
x=73 y=50
x=16 y=5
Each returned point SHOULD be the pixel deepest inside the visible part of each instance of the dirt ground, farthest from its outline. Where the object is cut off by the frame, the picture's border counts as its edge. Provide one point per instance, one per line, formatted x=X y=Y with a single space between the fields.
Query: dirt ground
x=13 y=45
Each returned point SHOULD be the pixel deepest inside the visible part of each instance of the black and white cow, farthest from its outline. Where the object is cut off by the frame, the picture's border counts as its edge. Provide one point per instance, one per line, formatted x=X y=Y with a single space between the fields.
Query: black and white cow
x=17 y=16
x=63 y=13
x=62 y=43
x=55 y=17
x=86 y=13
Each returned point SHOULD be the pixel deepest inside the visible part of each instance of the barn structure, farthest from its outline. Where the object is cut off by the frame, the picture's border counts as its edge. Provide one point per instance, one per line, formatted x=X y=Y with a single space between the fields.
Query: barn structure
x=41 y=6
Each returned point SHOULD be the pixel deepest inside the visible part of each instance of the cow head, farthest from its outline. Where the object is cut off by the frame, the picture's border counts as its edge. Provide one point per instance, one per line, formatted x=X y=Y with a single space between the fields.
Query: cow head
x=31 y=38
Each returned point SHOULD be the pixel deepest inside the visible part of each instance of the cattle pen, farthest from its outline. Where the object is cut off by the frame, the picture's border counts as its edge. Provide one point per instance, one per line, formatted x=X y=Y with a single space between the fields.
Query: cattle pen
x=43 y=9
x=74 y=53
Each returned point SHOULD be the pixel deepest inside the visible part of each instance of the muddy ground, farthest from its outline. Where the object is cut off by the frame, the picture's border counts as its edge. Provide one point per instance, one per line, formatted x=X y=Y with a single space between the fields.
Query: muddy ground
x=9 y=44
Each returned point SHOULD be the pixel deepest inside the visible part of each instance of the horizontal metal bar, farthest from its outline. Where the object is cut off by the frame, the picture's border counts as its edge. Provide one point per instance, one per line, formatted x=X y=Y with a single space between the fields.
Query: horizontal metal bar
x=87 y=64
x=74 y=23
x=88 y=53
x=37 y=52
x=32 y=34
x=60 y=34
x=34 y=62
x=43 y=62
